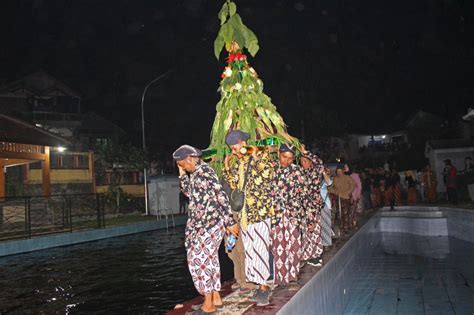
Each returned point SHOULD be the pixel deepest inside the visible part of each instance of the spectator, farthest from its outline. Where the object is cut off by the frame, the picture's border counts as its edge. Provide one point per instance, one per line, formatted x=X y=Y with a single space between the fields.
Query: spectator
x=410 y=179
x=469 y=176
x=420 y=185
x=343 y=186
x=450 y=175
x=430 y=183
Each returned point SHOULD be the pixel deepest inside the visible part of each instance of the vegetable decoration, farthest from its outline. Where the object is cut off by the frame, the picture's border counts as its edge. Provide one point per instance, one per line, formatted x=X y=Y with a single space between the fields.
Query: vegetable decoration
x=243 y=104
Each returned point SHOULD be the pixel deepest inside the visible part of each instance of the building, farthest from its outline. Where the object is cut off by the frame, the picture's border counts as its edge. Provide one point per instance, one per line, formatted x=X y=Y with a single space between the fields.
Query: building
x=22 y=144
x=47 y=103
x=436 y=151
x=51 y=104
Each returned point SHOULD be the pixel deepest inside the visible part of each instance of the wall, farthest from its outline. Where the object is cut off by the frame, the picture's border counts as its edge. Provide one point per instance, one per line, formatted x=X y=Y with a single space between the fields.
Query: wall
x=134 y=190
x=329 y=290
x=61 y=176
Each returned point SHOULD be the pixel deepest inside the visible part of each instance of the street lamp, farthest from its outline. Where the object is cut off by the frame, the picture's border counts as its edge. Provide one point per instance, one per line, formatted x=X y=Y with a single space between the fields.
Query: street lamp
x=145 y=179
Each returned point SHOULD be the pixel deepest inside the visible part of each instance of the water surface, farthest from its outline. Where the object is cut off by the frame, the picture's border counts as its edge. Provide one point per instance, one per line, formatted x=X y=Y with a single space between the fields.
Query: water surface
x=145 y=273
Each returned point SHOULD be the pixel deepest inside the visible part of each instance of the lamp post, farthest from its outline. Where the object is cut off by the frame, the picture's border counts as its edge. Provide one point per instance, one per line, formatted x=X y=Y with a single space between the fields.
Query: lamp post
x=145 y=179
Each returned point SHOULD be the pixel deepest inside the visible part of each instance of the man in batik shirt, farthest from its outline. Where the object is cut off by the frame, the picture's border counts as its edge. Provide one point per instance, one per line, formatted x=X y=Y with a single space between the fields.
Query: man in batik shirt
x=209 y=214
x=255 y=215
x=311 y=228
x=288 y=197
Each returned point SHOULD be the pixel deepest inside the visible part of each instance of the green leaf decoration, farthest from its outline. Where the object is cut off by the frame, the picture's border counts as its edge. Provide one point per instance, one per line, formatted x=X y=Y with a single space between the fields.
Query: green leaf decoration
x=232 y=8
x=218 y=44
x=243 y=104
x=233 y=30
x=223 y=13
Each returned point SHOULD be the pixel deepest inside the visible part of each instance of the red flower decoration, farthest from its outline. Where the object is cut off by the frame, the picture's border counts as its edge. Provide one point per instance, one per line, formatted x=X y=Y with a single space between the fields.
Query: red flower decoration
x=236 y=57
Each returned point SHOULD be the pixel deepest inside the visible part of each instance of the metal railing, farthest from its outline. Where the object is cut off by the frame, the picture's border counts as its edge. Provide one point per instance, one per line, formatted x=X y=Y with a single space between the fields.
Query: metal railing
x=26 y=217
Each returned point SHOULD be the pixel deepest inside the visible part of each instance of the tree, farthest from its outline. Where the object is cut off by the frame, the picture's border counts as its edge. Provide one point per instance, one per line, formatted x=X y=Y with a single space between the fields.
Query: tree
x=118 y=158
x=243 y=104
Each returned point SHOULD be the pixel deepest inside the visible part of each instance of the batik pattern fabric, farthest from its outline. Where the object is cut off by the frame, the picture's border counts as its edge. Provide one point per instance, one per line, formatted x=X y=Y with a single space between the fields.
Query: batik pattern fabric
x=312 y=241
x=258 y=202
x=256 y=239
x=208 y=203
x=289 y=193
x=429 y=179
x=326 y=219
x=286 y=250
x=203 y=260
x=313 y=204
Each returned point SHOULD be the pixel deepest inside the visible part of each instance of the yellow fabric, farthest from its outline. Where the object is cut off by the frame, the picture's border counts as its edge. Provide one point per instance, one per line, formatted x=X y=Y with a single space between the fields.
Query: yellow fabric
x=240 y=185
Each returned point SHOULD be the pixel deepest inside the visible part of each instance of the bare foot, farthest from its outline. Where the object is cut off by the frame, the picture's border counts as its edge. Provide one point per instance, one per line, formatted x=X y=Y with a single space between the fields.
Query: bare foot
x=216 y=298
x=208 y=306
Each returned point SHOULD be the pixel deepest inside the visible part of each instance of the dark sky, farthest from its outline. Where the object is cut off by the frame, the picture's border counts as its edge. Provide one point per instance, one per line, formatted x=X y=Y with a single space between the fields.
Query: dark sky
x=336 y=65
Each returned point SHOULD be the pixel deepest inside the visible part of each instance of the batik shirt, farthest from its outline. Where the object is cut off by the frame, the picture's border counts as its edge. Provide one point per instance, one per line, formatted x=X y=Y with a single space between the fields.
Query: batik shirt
x=208 y=203
x=313 y=202
x=258 y=202
x=289 y=193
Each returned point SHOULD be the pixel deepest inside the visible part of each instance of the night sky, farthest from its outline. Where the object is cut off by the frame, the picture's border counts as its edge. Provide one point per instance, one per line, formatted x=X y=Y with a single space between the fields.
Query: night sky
x=336 y=65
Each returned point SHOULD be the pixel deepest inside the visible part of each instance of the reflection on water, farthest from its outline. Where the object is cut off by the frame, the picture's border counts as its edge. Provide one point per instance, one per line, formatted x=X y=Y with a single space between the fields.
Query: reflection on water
x=144 y=273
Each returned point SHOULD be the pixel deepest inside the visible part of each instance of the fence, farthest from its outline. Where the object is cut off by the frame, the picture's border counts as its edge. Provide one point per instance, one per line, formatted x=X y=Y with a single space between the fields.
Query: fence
x=26 y=217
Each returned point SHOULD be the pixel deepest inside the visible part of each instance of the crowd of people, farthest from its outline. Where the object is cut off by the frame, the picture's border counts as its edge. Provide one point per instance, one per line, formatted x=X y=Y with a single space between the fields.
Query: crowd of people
x=283 y=213
x=284 y=220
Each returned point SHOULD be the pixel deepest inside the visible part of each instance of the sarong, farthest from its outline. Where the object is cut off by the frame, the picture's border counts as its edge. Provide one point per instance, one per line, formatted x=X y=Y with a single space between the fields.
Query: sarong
x=312 y=242
x=326 y=224
x=397 y=194
x=203 y=260
x=345 y=214
x=376 y=196
x=257 y=251
x=431 y=193
x=411 y=198
x=388 y=196
x=286 y=249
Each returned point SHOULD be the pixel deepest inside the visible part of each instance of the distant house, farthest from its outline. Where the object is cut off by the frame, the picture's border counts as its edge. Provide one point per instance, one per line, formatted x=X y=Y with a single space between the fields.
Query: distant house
x=52 y=105
x=22 y=144
x=455 y=149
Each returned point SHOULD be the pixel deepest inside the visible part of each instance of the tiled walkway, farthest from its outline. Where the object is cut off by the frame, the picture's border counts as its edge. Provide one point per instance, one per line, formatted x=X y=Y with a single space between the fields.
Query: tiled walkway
x=409 y=284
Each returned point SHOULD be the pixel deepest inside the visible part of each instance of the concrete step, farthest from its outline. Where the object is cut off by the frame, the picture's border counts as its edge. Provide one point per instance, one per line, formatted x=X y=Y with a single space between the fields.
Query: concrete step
x=412 y=214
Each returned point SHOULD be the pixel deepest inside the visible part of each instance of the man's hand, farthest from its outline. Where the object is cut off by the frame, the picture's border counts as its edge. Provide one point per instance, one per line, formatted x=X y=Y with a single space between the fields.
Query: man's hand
x=311 y=227
x=254 y=152
x=234 y=230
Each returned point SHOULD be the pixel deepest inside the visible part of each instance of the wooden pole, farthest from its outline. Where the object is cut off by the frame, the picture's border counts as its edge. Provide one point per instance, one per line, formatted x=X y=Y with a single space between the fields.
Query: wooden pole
x=46 y=173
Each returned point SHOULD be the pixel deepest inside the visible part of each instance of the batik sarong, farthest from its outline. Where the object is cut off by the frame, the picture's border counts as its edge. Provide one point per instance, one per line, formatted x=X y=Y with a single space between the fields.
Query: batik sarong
x=326 y=226
x=286 y=249
x=411 y=196
x=376 y=197
x=203 y=259
x=312 y=242
x=256 y=239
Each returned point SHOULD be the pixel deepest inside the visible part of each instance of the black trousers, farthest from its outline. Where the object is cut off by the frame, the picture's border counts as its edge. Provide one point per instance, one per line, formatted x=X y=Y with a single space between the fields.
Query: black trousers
x=453 y=195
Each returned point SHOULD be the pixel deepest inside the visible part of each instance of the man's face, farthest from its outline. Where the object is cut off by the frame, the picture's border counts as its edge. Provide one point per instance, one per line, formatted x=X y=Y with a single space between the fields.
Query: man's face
x=340 y=172
x=286 y=158
x=306 y=163
x=188 y=164
x=236 y=148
